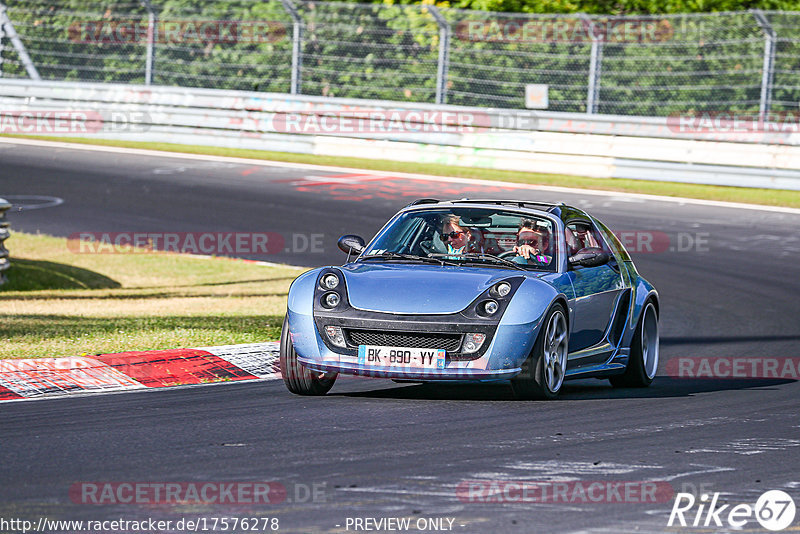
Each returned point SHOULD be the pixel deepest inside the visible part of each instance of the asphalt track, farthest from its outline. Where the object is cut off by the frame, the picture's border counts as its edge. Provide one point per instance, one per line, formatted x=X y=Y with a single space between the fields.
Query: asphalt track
x=380 y=449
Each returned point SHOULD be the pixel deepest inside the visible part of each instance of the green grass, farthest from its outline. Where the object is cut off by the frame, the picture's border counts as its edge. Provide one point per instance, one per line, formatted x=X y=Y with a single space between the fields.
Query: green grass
x=59 y=303
x=770 y=197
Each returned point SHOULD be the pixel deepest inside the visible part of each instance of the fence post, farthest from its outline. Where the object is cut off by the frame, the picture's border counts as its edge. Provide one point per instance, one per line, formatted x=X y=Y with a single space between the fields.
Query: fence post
x=768 y=68
x=297 y=46
x=2 y=48
x=595 y=64
x=152 y=37
x=4 y=234
x=11 y=32
x=444 y=54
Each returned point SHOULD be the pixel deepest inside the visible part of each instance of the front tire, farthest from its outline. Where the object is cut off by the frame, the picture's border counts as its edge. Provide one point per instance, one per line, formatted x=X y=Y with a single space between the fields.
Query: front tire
x=643 y=360
x=543 y=371
x=299 y=379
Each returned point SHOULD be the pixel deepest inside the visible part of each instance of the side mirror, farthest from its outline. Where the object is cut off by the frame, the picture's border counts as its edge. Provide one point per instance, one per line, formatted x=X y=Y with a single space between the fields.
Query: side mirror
x=351 y=244
x=589 y=257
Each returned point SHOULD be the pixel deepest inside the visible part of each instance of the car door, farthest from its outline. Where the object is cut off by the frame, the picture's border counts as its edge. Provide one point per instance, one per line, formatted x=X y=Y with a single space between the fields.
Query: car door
x=596 y=288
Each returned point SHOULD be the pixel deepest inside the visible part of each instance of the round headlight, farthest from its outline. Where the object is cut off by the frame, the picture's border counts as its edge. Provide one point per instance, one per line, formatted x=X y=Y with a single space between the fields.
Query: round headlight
x=490 y=307
x=330 y=281
x=331 y=300
x=503 y=289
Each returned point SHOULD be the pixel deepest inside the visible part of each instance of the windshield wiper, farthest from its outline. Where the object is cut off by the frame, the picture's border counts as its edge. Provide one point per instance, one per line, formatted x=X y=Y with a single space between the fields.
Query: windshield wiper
x=388 y=255
x=481 y=256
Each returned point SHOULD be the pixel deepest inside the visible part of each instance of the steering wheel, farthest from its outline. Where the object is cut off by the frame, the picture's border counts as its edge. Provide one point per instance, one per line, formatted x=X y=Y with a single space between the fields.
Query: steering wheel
x=533 y=260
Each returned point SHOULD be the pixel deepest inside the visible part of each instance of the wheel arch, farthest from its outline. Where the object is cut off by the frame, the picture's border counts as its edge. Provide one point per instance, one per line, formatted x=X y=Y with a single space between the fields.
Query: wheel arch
x=644 y=292
x=559 y=299
x=562 y=299
x=653 y=297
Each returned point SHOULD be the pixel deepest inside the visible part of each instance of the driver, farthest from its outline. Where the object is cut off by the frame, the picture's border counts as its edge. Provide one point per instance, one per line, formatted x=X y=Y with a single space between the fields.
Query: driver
x=532 y=244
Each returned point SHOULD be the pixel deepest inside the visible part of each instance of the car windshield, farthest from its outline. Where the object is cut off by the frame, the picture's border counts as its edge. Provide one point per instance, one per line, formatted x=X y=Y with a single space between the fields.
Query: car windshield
x=490 y=237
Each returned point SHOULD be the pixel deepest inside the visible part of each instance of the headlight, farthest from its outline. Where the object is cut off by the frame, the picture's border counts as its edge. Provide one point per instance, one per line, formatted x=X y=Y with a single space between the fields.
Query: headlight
x=330 y=281
x=473 y=342
x=503 y=289
x=490 y=307
x=331 y=300
x=335 y=335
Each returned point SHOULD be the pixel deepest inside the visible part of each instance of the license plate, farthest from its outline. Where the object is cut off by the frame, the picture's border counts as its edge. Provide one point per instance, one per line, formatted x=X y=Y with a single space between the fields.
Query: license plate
x=376 y=356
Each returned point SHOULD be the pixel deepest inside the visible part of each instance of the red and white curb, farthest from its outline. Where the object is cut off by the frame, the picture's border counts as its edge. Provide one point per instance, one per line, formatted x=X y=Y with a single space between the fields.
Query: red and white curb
x=48 y=377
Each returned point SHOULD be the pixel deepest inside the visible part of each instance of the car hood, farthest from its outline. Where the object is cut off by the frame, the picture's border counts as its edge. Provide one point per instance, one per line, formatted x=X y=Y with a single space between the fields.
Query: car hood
x=419 y=289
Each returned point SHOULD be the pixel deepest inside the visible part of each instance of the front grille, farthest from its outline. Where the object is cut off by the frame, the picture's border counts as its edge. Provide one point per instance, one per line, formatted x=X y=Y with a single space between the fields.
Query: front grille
x=422 y=340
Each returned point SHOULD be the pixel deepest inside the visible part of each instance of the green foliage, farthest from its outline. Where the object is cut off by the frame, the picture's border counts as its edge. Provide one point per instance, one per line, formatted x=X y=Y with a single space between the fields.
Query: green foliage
x=624 y=7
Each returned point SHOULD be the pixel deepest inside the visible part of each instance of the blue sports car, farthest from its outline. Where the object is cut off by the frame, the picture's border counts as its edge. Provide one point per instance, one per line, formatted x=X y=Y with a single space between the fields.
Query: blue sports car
x=475 y=290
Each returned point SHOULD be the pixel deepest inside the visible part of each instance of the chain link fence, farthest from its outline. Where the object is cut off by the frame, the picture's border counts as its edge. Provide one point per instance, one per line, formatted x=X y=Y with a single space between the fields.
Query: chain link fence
x=637 y=65
x=5 y=263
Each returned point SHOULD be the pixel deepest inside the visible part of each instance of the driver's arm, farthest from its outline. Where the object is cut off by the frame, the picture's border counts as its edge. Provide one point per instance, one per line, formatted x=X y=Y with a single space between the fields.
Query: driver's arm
x=526 y=251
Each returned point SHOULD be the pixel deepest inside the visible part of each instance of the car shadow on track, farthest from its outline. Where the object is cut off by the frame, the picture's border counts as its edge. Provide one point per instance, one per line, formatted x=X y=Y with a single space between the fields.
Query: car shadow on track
x=587 y=389
x=39 y=275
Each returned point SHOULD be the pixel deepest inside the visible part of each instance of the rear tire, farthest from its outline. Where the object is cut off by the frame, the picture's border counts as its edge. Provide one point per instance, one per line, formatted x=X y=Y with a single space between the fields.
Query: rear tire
x=543 y=371
x=299 y=379
x=643 y=360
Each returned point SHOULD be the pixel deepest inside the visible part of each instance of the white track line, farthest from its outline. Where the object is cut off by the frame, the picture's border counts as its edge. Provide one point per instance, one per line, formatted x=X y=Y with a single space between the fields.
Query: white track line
x=330 y=168
x=94 y=393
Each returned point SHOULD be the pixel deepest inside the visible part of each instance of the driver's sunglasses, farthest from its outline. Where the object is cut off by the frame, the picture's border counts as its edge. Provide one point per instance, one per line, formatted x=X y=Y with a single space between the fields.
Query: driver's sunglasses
x=451 y=235
x=530 y=242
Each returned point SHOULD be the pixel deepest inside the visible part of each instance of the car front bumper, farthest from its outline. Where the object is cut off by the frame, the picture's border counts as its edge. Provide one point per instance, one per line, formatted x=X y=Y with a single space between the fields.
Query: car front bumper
x=502 y=359
x=454 y=373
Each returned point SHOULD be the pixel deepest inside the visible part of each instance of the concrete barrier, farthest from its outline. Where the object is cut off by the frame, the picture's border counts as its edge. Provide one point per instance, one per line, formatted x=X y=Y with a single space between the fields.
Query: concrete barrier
x=5 y=263
x=601 y=146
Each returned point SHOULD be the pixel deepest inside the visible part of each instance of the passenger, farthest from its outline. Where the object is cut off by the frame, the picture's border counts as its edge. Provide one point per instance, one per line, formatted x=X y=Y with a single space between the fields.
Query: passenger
x=455 y=237
x=584 y=237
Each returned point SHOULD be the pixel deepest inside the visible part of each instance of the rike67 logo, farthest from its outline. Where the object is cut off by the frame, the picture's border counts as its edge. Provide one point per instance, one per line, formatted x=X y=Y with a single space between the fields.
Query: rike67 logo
x=774 y=510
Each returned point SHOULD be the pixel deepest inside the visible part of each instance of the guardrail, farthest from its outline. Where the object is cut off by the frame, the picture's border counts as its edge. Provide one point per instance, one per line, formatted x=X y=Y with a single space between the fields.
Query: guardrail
x=4 y=234
x=605 y=146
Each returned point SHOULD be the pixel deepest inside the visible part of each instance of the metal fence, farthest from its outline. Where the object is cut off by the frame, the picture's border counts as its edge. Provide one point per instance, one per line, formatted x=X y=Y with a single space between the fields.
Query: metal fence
x=637 y=65
x=4 y=234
